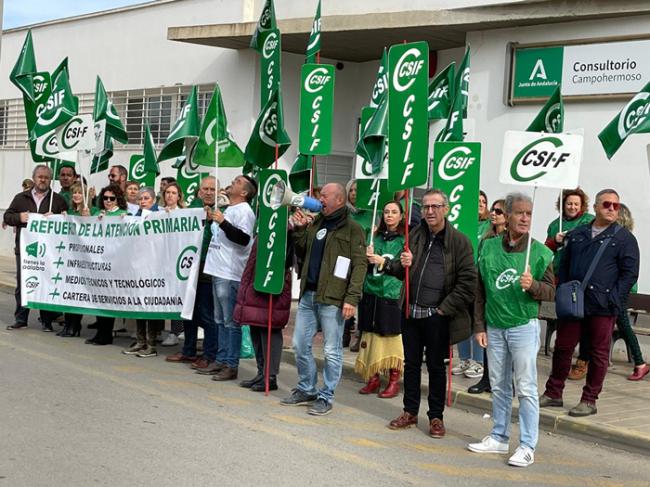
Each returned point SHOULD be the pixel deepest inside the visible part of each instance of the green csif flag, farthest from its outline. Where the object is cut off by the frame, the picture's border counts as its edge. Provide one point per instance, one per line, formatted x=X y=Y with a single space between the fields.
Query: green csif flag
x=551 y=117
x=300 y=176
x=185 y=131
x=150 y=159
x=374 y=138
x=100 y=160
x=267 y=133
x=188 y=178
x=381 y=83
x=633 y=119
x=441 y=93
x=264 y=24
x=313 y=46
x=461 y=84
x=61 y=106
x=453 y=130
x=105 y=110
x=215 y=128
x=21 y=74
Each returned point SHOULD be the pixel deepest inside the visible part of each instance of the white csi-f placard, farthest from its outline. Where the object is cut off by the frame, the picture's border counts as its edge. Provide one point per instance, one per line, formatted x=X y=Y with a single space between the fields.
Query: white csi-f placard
x=539 y=159
x=77 y=134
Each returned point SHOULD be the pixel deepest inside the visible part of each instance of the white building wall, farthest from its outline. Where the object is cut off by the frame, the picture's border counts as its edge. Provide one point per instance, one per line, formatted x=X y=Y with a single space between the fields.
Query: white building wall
x=627 y=172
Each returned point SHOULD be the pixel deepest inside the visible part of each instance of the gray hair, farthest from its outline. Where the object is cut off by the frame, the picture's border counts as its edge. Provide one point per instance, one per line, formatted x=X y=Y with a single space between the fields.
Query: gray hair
x=606 y=191
x=148 y=190
x=513 y=198
x=42 y=166
x=439 y=192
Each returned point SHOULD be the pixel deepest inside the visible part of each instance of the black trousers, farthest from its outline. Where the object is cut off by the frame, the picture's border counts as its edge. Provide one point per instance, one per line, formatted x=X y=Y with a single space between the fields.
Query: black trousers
x=432 y=333
x=259 y=337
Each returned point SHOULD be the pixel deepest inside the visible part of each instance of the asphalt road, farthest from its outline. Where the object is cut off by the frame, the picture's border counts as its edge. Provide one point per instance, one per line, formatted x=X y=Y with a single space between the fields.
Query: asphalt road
x=78 y=415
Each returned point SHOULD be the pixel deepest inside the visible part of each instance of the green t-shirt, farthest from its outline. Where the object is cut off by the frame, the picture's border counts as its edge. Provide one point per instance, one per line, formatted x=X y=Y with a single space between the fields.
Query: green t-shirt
x=506 y=304
x=483 y=227
x=567 y=225
x=67 y=196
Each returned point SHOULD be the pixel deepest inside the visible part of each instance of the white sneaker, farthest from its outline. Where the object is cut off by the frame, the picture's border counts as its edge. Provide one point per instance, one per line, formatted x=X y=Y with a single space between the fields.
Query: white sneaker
x=170 y=340
x=200 y=335
x=488 y=445
x=181 y=336
x=523 y=457
x=462 y=366
x=474 y=371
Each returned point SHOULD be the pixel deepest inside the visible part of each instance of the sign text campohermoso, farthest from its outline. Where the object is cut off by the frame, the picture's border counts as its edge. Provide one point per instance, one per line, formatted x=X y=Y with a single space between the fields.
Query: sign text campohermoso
x=130 y=267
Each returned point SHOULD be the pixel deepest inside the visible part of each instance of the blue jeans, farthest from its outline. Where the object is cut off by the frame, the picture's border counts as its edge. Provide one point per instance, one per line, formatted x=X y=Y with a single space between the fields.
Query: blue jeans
x=514 y=349
x=470 y=349
x=203 y=316
x=229 y=333
x=330 y=318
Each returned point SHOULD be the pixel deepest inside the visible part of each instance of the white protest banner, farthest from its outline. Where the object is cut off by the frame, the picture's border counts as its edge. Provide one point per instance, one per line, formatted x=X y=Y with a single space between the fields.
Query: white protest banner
x=544 y=160
x=77 y=134
x=132 y=267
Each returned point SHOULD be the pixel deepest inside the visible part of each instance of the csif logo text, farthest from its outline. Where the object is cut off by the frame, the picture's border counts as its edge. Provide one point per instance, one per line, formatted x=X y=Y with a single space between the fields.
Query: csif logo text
x=455 y=162
x=270 y=44
x=541 y=153
x=317 y=80
x=634 y=114
x=407 y=68
x=506 y=279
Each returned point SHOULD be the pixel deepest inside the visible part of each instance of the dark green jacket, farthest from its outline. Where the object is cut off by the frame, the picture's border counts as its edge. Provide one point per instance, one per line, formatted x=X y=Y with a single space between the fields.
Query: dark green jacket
x=460 y=278
x=346 y=240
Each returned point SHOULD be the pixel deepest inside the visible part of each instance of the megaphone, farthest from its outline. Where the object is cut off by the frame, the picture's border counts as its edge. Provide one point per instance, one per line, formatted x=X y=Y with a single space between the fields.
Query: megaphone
x=283 y=196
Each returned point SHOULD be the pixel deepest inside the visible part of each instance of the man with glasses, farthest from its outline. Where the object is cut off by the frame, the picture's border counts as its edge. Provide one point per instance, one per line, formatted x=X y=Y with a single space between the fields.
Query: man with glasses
x=36 y=200
x=118 y=175
x=613 y=277
x=442 y=283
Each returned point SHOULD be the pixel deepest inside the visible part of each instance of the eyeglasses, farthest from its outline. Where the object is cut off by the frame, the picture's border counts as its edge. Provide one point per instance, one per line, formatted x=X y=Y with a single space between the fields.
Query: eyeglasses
x=110 y=198
x=497 y=211
x=611 y=204
x=435 y=206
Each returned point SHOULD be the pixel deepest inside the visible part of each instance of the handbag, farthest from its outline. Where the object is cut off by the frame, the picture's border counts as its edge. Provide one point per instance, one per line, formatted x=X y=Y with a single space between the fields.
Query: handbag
x=570 y=296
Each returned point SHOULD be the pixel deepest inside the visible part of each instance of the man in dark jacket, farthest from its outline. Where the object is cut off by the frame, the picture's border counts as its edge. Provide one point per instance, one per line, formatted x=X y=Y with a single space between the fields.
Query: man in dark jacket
x=614 y=276
x=36 y=200
x=442 y=283
x=334 y=266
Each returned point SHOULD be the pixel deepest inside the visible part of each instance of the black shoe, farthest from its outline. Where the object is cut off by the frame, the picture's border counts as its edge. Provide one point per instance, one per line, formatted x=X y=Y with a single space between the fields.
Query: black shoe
x=91 y=341
x=70 y=331
x=480 y=387
x=92 y=326
x=103 y=341
x=247 y=384
x=260 y=386
x=47 y=328
x=17 y=326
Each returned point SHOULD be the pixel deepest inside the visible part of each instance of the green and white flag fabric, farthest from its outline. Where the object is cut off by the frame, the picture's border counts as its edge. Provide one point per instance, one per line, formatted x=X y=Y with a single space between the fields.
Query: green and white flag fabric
x=105 y=110
x=100 y=161
x=441 y=93
x=633 y=119
x=215 y=128
x=381 y=83
x=300 y=176
x=61 y=106
x=185 y=132
x=313 y=46
x=25 y=67
x=453 y=130
x=373 y=140
x=461 y=84
x=138 y=174
x=188 y=178
x=551 y=118
x=267 y=133
x=264 y=24
x=150 y=159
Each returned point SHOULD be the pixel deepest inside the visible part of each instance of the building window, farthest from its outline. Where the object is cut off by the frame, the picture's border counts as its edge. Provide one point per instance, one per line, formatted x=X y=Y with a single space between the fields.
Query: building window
x=3 y=122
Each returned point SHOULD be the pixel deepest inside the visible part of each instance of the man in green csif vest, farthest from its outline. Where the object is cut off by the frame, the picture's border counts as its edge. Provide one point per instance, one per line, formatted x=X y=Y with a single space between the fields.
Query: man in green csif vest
x=506 y=310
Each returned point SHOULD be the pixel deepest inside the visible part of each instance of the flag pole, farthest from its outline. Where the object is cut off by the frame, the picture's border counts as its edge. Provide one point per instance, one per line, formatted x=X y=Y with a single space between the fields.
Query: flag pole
x=52 y=190
x=216 y=158
x=313 y=158
x=530 y=238
x=267 y=363
x=406 y=249
x=374 y=212
x=561 y=205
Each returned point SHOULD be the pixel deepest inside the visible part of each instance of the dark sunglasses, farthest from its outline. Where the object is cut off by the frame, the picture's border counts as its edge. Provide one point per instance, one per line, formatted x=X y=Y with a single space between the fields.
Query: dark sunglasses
x=497 y=211
x=110 y=198
x=611 y=204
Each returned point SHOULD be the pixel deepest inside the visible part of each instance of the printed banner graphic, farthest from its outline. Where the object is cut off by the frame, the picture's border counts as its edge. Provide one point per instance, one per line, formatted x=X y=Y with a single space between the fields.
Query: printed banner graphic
x=457 y=171
x=316 y=109
x=536 y=159
x=408 y=124
x=129 y=267
x=272 y=238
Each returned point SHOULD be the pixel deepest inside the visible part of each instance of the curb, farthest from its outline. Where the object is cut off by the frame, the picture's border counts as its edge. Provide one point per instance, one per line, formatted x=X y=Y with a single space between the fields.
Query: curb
x=548 y=421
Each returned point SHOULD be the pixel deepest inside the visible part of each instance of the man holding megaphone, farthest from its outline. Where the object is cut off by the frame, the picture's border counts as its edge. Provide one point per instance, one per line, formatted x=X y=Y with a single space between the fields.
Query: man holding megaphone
x=333 y=250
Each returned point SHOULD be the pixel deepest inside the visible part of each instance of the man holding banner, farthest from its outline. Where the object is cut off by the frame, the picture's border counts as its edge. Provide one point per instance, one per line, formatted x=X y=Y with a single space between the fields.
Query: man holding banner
x=36 y=200
x=232 y=239
x=505 y=311
x=334 y=267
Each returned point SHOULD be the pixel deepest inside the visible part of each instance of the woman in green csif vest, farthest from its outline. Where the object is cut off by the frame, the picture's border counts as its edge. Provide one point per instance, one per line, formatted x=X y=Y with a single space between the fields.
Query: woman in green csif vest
x=380 y=315
x=483 y=215
x=506 y=310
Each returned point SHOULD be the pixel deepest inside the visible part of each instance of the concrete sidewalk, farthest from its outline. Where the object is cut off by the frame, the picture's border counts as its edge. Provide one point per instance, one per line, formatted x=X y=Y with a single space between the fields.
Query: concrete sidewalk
x=623 y=419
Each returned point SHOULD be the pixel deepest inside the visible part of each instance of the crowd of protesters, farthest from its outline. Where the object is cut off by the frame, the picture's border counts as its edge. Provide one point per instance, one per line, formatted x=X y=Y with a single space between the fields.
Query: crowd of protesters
x=409 y=304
